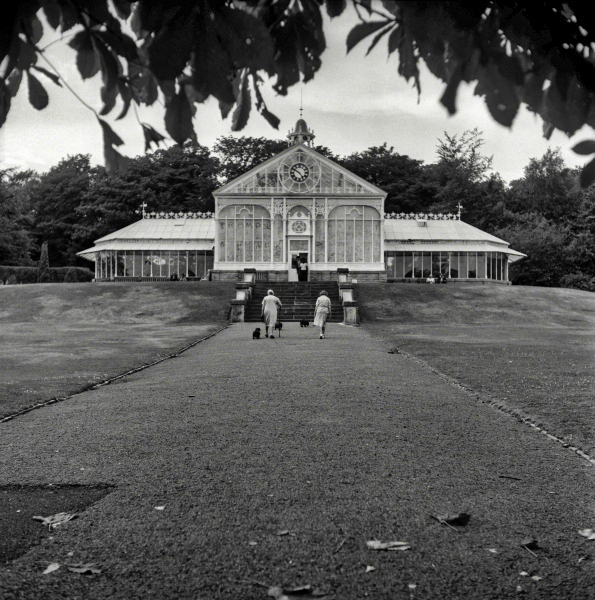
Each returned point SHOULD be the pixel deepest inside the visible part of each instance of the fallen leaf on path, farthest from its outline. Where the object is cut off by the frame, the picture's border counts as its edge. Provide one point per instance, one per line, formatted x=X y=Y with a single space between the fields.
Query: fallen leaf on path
x=493 y=550
x=377 y=545
x=54 y=520
x=524 y=574
x=51 y=568
x=587 y=533
x=454 y=519
x=536 y=578
x=412 y=586
x=84 y=568
x=580 y=560
x=252 y=543
x=302 y=592
x=530 y=544
x=282 y=532
x=369 y=569
x=160 y=508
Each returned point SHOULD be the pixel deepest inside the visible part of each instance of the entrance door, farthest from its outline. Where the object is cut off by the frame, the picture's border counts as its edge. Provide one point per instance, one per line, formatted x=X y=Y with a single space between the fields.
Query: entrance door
x=296 y=272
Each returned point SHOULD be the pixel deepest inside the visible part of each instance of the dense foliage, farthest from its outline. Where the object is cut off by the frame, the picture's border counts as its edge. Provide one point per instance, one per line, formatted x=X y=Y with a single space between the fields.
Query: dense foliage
x=541 y=54
x=544 y=214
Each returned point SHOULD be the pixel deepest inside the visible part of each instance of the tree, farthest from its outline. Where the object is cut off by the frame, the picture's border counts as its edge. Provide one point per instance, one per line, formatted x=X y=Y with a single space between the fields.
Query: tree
x=548 y=187
x=403 y=178
x=43 y=267
x=539 y=54
x=15 y=239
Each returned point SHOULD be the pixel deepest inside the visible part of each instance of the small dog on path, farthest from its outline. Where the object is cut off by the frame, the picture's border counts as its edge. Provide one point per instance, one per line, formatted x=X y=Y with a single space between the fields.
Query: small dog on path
x=304 y=323
x=256 y=334
x=279 y=326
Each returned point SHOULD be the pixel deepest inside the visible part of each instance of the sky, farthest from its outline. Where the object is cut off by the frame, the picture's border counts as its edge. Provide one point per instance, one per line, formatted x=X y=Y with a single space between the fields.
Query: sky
x=354 y=102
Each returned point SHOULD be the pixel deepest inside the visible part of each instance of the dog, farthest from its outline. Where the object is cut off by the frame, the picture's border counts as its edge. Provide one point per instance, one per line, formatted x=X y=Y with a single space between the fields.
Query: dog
x=256 y=334
x=304 y=323
x=279 y=326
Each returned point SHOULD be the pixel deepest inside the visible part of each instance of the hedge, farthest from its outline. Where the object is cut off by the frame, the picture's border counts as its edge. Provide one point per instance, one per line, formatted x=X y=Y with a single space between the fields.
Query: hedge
x=57 y=274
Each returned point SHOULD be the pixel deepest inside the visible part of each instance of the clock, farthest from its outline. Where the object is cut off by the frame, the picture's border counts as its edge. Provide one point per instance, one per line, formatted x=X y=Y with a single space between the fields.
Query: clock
x=299 y=172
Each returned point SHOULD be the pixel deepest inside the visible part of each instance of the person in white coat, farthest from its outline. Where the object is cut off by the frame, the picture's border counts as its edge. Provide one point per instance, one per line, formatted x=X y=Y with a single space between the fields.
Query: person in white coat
x=270 y=306
x=322 y=312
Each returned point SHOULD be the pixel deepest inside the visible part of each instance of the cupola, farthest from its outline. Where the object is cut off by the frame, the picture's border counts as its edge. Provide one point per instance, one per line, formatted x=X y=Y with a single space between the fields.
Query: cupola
x=301 y=134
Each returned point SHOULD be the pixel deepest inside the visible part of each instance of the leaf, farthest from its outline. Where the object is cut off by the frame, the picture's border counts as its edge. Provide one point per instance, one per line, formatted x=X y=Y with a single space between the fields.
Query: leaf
x=282 y=532
x=14 y=82
x=448 y=99
x=378 y=37
x=27 y=56
x=160 y=508
x=178 y=118
x=453 y=519
x=126 y=95
x=587 y=533
x=152 y=136
x=362 y=30
x=585 y=147
x=54 y=520
x=530 y=543
x=109 y=134
x=377 y=545
x=500 y=94
x=4 y=102
x=335 y=8
x=272 y=119
x=123 y=8
x=38 y=97
x=51 y=568
x=369 y=569
x=394 y=39
x=536 y=578
x=87 y=60
x=84 y=568
x=49 y=75
x=239 y=119
x=51 y=10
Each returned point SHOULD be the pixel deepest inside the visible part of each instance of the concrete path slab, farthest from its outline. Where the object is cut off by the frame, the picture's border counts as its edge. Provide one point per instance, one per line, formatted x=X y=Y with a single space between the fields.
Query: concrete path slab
x=335 y=442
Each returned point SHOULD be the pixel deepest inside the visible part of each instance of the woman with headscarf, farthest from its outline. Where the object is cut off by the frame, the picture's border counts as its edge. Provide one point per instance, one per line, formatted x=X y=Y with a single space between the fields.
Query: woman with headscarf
x=322 y=312
x=270 y=304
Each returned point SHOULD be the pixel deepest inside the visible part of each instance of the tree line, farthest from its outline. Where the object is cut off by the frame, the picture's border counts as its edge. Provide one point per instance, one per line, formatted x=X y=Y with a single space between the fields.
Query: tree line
x=544 y=214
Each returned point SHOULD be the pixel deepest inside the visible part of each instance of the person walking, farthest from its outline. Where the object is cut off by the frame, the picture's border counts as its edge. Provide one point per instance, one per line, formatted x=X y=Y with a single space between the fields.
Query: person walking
x=270 y=306
x=303 y=271
x=322 y=312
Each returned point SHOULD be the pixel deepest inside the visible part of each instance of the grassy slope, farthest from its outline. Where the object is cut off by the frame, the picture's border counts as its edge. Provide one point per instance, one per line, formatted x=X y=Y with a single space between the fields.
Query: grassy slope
x=532 y=347
x=58 y=338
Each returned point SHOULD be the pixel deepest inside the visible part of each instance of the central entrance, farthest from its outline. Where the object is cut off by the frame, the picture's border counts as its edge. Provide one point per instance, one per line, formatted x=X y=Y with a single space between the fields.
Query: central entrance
x=298 y=266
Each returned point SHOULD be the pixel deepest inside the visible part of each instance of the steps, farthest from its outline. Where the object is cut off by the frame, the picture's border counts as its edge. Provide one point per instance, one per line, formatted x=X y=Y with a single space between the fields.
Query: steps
x=298 y=300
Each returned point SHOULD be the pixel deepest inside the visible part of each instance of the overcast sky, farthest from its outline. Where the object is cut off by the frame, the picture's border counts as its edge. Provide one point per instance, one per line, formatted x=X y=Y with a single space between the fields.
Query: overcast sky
x=354 y=102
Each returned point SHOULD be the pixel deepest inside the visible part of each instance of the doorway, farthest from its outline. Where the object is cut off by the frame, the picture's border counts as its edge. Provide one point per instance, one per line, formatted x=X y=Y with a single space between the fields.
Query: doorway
x=298 y=268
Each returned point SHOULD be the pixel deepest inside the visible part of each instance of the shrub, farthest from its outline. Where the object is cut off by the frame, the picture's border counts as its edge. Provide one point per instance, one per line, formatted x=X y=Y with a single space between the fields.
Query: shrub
x=43 y=268
x=12 y=280
x=56 y=274
x=578 y=281
x=71 y=276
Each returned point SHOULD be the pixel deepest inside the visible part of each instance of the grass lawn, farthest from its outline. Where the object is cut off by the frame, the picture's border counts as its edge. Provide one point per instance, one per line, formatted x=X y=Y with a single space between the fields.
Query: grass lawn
x=56 y=339
x=533 y=348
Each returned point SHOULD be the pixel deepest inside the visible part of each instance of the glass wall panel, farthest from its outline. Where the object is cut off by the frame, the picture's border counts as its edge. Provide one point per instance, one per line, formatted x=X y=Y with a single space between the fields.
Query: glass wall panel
x=222 y=231
x=278 y=238
x=340 y=240
x=463 y=265
x=129 y=260
x=368 y=241
x=454 y=265
x=488 y=265
x=417 y=264
x=266 y=240
x=230 y=240
x=249 y=240
x=377 y=241
x=408 y=264
x=192 y=263
x=209 y=261
x=435 y=264
x=138 y=263
x=183 y=272
x=472 y=265
x=444 y=264
x=426 y=264
x=389 y=260
x=349 y=239
x=400 y=264
x=481 y=265
x=258 y=240
x=499 y=266
x=319 y=238
x=146 y=264
x=239 y=257
x=359 y=241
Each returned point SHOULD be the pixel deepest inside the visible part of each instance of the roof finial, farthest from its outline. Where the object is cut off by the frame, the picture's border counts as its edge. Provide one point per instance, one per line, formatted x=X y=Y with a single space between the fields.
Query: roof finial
x=143 y=206
x=301 y=102
x=460 y=209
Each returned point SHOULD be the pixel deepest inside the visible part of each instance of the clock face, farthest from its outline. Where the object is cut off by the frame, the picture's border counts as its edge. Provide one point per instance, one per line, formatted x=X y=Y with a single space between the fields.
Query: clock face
x=299 y=172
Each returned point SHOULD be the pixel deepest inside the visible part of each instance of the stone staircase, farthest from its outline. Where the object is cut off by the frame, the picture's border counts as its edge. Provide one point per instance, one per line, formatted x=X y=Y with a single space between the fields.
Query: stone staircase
x=298 y=300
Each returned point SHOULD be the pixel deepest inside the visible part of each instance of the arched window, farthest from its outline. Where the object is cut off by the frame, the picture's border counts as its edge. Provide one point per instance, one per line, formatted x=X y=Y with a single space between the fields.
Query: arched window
x=244 y=234
x=354 y=235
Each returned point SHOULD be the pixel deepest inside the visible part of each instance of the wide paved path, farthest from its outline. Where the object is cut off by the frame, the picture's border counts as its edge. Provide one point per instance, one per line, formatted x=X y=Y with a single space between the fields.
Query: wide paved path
x=276 y=460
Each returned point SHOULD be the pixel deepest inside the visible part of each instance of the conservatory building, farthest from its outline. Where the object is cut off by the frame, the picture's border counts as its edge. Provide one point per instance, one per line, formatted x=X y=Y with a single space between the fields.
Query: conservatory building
x=300 y=213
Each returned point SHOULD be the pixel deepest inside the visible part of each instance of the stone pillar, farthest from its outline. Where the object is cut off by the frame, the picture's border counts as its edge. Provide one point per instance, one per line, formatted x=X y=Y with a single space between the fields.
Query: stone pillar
x=237 y=311
x=343 y=275
x=350 y=315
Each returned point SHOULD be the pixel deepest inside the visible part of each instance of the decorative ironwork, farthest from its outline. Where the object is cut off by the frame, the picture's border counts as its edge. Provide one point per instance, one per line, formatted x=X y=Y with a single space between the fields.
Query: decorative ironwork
x=424 y=216
x=179 y=215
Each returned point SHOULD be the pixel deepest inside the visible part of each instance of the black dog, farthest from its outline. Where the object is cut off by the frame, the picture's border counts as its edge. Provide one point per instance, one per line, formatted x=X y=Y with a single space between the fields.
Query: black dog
x=279 y=326
x=304 y=323
x=256 y=334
